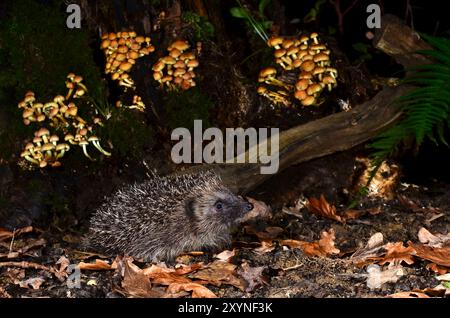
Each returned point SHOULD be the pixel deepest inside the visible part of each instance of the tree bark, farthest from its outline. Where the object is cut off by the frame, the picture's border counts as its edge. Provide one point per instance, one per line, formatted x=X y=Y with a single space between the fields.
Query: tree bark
x=341 y=131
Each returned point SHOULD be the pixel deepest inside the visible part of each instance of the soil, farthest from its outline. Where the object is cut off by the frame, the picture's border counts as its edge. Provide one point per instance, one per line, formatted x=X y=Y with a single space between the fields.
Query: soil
x=287 y=272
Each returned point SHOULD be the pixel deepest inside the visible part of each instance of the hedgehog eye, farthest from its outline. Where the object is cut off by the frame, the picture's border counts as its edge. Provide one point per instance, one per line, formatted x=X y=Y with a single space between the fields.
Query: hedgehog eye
x=218 y=205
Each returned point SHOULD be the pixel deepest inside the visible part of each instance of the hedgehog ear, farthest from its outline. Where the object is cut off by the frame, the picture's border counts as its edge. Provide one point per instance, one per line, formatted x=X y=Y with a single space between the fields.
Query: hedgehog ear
x=190 y=209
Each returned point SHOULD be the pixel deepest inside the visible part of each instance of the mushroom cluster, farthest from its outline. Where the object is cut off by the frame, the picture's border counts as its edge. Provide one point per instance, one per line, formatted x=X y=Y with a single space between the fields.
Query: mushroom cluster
x=310 y=59
x=136 y=103
x=45 y=149
x=58 y=111
x=61 y=113
x=176 y=70
x=122 y=49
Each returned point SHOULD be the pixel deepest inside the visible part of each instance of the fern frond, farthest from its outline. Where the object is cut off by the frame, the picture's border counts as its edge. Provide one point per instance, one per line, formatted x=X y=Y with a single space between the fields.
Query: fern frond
x=426 y=109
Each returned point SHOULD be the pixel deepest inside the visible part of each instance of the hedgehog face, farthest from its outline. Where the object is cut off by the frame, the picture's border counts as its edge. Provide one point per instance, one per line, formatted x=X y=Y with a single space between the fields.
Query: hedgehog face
x=220 y=207
x=228 y=207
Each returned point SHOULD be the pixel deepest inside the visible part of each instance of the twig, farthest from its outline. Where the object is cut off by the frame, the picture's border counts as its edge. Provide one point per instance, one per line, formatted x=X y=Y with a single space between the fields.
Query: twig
x=341 y=14
x=29 y=265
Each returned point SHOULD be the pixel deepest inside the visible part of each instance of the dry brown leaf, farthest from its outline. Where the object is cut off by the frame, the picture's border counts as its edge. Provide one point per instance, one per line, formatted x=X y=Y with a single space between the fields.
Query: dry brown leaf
x=440 y=256
x=198 y=291
x=260 y=210
x=352 y=214
x=396 y=253
x=253 y=276
x=6 y=234
x=377 y=277
x=414 y=207
x=432 y=240
x=226 y=255
x=441 y=270
x=266 y=247
x=135 y=283
x=292 y=243
x=61 y=272
x=4 y=293
x=218 y=273
x=269 y=233
x=322 y=208
x=372 y=250
x=355 y=214
x=183 y=269
x=34 y=283
x=322 y=248
x=96 y=266
x=410 y=294
x=166 y=276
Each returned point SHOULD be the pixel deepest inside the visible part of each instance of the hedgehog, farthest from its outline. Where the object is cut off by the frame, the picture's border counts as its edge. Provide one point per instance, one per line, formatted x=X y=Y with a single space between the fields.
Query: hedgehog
x=164 y=217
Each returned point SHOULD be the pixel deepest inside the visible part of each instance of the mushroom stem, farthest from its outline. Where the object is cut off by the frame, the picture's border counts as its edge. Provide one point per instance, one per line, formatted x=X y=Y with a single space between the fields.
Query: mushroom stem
x=103 y=151
x=32 y=160
x=85 y=152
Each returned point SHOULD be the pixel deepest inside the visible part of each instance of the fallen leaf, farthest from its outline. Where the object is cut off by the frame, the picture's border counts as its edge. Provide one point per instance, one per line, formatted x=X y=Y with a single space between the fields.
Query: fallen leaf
x=437 y=269
x=164 y=276
x=63 y=263
x=293 y=243
x=373 y=249
x=183 y=269
x=352 y=214
x=226 y=255
x=253 y=276
x=396 y=253
x=96 y=266
x=266 y=247
x=135 y=283
x=218 y=273
x=440 y=256
x=445 y=277
x=322 y=248
x=269 y=233
x=198 y=291
x=260 y=210
x=432 y=240
x=409 y=294
x=4 y=293
x=322 y=208
x=414 y=207
x=377 y=277
x=35 y=283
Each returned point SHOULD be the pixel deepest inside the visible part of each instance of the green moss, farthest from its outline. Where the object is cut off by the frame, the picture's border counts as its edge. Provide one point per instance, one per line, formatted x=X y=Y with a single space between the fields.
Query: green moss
x=37 y=51
x=182 y=108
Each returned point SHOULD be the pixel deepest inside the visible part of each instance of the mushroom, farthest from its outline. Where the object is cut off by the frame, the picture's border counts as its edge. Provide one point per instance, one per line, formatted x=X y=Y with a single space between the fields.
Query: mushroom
x=96 y=142
x=275 y=42
x=309 y=100
x=314 y=37
x=267 y=75
x=83 y=144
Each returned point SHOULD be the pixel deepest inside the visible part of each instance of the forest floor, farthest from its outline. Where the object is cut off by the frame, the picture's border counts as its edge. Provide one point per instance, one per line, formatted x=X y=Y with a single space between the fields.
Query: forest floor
x=399 y=247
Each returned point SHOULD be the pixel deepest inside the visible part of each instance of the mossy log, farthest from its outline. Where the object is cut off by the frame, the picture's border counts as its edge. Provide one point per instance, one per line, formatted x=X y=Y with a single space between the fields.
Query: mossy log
x=340 y=131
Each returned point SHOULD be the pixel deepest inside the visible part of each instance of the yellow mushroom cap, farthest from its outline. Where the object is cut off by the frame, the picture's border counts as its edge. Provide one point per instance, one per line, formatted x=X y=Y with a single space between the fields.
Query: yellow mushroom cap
x=321 y=57
x=27 y=113
x=267 y=72
x=302 y=84
x=180 y=45
x=274 y=41
x=313 y=89
x=300 y=94
x=47 y=146
x=42 y=132
x=126 y=66
x=308 y=101
x=307 y=66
